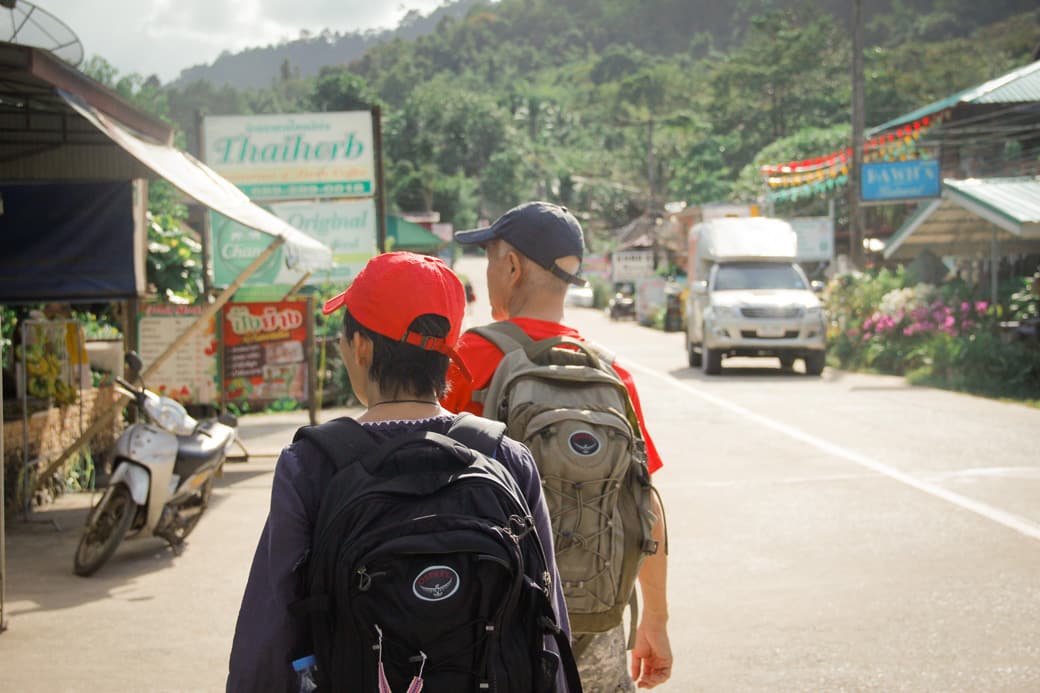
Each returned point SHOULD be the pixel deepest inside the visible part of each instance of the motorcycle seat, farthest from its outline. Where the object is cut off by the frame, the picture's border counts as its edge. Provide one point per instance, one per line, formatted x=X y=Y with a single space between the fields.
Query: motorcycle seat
x=206 y=445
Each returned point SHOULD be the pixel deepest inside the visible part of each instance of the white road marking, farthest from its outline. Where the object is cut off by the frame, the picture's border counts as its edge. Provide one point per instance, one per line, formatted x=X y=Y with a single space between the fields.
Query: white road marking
x=1019 y=524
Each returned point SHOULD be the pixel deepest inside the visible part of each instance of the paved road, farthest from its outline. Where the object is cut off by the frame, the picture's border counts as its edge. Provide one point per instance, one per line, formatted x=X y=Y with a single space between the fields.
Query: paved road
x=843 y=533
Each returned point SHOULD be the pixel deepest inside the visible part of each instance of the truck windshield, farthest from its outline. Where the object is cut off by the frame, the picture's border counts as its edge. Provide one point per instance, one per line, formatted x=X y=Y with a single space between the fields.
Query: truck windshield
x=742 y=276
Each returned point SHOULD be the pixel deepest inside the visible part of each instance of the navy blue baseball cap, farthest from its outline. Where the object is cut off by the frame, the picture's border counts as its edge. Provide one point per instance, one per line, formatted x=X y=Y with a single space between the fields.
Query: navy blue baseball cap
x=542 y=231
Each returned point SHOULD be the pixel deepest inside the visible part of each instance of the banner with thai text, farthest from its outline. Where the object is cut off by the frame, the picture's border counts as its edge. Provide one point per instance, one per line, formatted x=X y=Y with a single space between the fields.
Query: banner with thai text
x=265 y=354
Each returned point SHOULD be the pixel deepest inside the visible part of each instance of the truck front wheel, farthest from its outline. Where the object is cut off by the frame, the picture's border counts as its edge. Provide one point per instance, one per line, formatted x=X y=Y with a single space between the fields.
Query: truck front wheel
x=711 y=360
x=815 y=362
x=693 y=355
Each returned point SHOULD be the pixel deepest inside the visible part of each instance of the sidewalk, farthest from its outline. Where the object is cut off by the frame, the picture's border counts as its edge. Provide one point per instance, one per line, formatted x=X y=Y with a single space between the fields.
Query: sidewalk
x=147 y=620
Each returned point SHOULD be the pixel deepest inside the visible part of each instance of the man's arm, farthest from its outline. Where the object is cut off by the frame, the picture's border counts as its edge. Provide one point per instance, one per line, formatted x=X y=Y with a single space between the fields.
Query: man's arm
x=266 y=634
x=652 y=654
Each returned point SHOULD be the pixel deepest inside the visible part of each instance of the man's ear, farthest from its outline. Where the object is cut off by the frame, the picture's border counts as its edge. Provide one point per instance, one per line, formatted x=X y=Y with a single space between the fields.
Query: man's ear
x=516 y=266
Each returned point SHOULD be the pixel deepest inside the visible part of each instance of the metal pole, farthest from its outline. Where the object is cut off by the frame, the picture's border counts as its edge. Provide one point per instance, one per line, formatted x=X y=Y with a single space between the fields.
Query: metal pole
x=205 y=235
x=380 y=198
x=994 y=266
x=855 y=213
x=3 y=507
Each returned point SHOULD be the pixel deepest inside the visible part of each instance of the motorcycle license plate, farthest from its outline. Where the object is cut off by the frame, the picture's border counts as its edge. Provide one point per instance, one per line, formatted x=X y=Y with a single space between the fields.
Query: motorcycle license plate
x=771 y=332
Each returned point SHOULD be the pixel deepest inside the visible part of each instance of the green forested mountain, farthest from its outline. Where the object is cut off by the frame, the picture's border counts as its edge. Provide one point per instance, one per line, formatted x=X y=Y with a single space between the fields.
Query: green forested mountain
x=615 y=106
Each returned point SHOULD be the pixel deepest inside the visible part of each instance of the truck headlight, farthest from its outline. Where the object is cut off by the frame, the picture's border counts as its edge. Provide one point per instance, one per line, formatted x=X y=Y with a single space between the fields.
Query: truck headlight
x=728 y=312
x=814 y=312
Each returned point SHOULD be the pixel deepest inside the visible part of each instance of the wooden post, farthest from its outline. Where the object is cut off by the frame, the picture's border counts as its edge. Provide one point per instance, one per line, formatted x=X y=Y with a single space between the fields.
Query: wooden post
x=855 y=173
x=312 y=364
x=117 y=406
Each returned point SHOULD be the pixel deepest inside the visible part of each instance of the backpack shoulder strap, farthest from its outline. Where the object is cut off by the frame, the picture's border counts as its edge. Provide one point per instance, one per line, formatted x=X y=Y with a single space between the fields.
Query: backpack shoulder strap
x=342 y=440
x=483 y=435
x=504 y=334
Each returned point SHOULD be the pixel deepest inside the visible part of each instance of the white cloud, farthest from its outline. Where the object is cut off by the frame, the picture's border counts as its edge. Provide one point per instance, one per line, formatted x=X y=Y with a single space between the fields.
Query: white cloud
x=165 y=36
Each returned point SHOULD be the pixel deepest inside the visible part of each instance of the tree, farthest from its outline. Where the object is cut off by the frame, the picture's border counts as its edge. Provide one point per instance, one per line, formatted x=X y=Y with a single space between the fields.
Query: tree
x=339 y=89
x=791 y=72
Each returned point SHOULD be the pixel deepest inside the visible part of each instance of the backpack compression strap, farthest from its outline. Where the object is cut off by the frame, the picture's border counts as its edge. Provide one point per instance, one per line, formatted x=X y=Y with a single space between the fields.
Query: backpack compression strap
x=342 y=440
x=483 y=435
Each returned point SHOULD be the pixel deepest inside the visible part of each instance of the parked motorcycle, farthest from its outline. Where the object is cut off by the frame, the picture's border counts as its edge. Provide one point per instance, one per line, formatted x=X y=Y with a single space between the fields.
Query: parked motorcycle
x=162 y=475
x=622 y=306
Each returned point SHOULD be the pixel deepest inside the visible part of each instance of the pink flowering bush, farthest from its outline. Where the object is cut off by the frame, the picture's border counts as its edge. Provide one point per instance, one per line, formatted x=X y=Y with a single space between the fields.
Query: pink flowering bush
x=943 y=335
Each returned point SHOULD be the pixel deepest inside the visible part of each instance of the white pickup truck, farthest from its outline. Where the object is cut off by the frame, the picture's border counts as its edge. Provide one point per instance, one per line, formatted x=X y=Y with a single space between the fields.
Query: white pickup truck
x=748 y=296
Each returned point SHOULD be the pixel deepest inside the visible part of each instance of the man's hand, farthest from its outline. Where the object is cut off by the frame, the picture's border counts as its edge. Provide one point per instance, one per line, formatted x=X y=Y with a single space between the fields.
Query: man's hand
x=652 y=655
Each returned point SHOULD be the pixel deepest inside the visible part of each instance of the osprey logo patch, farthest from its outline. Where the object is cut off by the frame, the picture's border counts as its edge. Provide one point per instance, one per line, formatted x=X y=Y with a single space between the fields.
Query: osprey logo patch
x=435 y=583
x=584 y=443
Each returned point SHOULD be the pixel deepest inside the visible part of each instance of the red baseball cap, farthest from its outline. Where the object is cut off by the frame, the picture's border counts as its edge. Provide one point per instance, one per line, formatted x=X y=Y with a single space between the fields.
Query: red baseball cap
x=394 y=289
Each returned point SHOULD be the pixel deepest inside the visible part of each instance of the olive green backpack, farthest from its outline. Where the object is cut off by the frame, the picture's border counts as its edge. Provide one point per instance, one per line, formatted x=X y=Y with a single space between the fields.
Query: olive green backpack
x=562 y=398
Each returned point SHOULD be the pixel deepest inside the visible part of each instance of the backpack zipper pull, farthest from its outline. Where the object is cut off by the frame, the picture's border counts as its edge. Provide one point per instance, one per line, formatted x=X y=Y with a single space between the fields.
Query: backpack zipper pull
x=365 y=577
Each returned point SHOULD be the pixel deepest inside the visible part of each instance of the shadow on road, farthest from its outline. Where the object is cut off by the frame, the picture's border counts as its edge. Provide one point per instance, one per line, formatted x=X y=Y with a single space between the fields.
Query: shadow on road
x=40 y=553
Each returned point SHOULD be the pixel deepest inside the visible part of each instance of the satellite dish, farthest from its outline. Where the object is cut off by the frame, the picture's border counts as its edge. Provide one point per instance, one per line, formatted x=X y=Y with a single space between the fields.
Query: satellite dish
x=24 y=23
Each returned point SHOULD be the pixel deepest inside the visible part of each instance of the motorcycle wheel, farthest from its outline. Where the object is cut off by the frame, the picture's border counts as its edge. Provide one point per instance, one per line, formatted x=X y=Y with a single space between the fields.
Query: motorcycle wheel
x=102 y=536
x=180 y=531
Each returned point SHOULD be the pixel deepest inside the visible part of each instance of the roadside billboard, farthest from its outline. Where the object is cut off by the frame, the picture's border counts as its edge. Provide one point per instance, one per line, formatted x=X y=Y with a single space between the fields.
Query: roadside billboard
x=891 y=181
x=348 y=227
x=190 y=374
x=265 y=351
x=815 y=238
x=293 y=156
x=631 y=265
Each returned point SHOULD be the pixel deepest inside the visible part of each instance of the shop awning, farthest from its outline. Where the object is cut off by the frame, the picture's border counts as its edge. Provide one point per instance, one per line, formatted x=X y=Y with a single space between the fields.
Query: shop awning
x=974 y=218
x=407 y=235
x=205 y=186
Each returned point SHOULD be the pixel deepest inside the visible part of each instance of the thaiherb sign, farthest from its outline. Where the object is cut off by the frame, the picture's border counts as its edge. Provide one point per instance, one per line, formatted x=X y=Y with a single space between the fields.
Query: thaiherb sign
x=293 y=156
x=265 y=351
x=347 y=227
x=892 y=181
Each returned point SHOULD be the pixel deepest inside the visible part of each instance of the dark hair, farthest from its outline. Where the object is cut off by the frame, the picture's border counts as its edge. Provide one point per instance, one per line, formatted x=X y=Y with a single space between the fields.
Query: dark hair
x=404 y=368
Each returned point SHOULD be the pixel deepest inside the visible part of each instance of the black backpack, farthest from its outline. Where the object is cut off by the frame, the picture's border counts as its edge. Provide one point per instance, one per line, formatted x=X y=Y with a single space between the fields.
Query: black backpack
x=425 y=564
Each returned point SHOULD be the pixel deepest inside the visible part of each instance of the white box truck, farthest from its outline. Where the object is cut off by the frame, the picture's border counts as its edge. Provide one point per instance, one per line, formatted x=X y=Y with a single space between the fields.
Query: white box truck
x=748 y=296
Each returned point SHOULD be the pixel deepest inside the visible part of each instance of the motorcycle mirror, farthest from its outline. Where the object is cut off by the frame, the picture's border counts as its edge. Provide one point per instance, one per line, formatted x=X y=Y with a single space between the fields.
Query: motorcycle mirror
x=133 y=365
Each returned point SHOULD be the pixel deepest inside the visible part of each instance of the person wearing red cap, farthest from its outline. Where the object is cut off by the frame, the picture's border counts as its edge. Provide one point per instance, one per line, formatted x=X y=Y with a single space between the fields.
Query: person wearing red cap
x=402 y=318
x=534 y=251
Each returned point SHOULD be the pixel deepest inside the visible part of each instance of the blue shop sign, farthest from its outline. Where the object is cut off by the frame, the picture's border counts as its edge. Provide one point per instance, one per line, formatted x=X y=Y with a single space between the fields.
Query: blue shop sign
x=900 y=180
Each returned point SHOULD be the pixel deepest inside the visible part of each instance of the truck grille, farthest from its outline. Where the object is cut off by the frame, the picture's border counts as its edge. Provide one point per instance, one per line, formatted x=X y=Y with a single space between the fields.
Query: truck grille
x=771 y=312
x=753 y=334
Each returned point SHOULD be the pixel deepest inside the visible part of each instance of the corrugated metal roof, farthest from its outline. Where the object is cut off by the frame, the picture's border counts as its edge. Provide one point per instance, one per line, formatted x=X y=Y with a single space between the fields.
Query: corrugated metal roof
x=970 y=216
x=1021 y=85
x=1015 y=199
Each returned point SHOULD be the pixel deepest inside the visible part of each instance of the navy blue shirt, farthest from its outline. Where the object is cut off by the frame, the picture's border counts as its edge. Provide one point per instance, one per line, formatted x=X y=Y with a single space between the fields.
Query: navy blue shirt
x=267 y=635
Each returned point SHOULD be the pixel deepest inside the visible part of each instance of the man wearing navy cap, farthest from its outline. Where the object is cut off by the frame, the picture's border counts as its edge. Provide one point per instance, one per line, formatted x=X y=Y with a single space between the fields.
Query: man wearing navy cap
x=534 y=251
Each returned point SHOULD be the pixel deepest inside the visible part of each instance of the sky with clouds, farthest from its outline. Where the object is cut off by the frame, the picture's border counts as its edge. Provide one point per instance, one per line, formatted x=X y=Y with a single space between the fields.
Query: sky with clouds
x=165 y=36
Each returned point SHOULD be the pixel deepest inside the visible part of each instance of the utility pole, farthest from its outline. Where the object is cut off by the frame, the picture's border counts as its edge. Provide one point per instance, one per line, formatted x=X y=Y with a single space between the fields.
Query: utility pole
x=855 y=173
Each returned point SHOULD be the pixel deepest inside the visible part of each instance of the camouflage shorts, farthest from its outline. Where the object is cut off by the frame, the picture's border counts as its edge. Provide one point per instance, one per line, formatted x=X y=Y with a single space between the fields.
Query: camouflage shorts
x=603 y=662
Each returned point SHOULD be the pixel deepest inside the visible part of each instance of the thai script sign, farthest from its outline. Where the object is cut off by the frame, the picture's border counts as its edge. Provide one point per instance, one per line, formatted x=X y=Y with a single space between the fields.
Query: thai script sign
x=631 y=265
x=815 y=238
x=264 y=351
x=190 y=373
x=347 y=227
x=900 y=180
x=293 y=156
